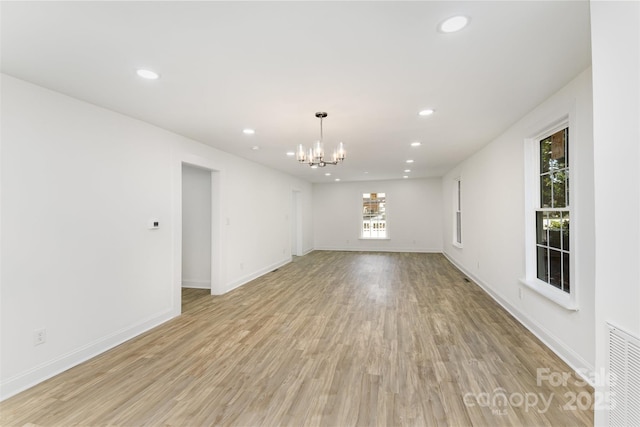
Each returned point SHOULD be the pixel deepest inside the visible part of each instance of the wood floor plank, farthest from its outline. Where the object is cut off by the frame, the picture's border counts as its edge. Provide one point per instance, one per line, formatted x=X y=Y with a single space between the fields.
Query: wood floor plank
x=331 y=339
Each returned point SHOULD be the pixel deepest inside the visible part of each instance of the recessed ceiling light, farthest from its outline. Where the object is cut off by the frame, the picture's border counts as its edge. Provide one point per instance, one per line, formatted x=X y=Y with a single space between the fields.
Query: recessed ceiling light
x=405 y=177
x=248 y=131
x=327 y=174
x=255 y=148
x=314 y=167
x=409 y=161
x=453 y=24
x=365 y=172
x=337 y=179
x=290 y=153
x=416 y=144
x=426 y=112
x=147 y=74
x=407 y=170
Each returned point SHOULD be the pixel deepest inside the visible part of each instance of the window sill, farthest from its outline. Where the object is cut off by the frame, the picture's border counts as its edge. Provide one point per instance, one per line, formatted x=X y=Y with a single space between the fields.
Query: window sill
x=557 y=296
x=457 y=245
x=373 y=238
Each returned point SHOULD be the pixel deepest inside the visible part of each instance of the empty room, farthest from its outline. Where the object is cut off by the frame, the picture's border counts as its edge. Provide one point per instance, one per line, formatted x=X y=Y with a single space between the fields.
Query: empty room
x=328 y=213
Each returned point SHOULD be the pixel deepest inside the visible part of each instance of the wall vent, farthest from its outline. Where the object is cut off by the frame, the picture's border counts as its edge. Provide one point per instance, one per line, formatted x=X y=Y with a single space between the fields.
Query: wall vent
x=624 y=383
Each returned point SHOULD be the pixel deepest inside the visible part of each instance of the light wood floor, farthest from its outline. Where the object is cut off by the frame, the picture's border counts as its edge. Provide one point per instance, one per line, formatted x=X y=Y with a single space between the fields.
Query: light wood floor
x=332 y=339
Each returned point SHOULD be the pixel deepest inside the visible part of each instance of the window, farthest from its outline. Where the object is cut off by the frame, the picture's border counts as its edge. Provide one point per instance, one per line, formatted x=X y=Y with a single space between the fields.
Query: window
x=549 y=249
x=374 y=217
x=553 y=213
x=457 y=212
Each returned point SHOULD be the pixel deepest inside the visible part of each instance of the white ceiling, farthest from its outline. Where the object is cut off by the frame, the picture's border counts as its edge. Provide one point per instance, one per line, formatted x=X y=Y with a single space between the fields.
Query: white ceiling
x=270 y=66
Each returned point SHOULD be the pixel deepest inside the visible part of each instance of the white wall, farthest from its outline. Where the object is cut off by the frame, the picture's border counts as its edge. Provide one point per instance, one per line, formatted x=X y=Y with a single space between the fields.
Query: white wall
x=79 y=184
x=196 y=227
x=493 y=226
x=414 y=215
x=615 y=39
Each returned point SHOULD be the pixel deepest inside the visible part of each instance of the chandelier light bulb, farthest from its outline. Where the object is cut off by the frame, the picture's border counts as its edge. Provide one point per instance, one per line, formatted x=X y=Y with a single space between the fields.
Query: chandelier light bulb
x=300 y=155
x=318 y=151
x=341 y=152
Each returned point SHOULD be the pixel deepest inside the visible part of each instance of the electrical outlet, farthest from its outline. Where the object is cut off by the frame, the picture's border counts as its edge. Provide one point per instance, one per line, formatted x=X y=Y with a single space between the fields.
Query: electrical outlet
x=242 y=266
x=39 y=336
x=520 y=293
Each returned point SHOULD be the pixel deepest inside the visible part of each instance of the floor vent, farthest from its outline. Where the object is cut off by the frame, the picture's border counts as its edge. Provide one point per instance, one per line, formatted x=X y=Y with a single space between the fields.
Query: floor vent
x=624 y=382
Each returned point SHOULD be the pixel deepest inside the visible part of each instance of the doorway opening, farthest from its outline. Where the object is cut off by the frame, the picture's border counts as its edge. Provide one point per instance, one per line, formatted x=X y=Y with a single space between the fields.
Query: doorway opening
x=196 y=227
x=198 y=263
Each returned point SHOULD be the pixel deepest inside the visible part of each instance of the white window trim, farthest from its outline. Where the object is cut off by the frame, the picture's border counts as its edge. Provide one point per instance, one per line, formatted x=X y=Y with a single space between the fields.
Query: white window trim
x=456 y=183
x=566 y=300
x=386 y=219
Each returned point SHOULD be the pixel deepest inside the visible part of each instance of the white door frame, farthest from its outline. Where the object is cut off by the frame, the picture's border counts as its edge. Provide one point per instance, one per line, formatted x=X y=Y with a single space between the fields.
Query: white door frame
x=217 y=237
x=296 y=219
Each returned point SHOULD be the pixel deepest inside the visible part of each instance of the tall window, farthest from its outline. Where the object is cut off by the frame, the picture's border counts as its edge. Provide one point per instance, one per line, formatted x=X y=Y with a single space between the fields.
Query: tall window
x=374 y=216
x=553 y=212
x=457 y=211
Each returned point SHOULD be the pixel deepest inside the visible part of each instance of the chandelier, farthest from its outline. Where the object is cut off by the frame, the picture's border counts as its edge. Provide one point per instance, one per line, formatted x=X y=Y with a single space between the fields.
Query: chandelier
x=314 y=157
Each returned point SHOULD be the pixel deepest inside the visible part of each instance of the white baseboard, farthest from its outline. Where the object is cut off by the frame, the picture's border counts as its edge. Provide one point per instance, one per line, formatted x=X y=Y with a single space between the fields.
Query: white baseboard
x=249 y=277
x=20 y=382
x=379 y=249
x=196 y=284
x=581 y=367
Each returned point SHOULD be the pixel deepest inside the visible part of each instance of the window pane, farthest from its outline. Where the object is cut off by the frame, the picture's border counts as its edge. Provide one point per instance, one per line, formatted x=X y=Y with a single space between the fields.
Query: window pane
x=542 y=262
x=554 y=151
x=545 y=191
x=566 y=188
x=565 y=231
x=554 y=224
x=565 y=273
x=541 y=231
x=458 y=228
x=555 y=268
x=545 y=155
x=566 y=146
x=558 y=189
